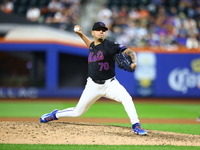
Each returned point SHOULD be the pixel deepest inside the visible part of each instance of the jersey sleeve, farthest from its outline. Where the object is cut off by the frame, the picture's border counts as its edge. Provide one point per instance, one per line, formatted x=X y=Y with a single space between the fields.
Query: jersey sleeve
x=115 y=47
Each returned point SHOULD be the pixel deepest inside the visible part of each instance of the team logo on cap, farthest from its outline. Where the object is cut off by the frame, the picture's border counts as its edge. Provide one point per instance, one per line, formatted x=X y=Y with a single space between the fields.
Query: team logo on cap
x=101 y=24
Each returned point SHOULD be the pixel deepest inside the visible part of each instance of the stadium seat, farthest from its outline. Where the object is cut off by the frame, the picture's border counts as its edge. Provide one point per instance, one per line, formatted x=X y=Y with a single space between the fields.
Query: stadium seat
x=43 y=3
x=144 y=2
x=21 y=10
x=24 y=2
x=124 y=2
x=16 y=3
x=34 y=2
x=172 y=3
x=116 y=3
x=1 y=1
x=134 y=3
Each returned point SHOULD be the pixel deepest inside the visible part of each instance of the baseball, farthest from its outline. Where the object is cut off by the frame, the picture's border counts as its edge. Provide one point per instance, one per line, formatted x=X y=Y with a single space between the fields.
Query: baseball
x=76 y=29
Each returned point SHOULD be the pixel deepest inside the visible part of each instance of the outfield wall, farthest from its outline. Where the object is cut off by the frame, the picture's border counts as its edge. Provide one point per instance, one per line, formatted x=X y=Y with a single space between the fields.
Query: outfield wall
x=159 y=73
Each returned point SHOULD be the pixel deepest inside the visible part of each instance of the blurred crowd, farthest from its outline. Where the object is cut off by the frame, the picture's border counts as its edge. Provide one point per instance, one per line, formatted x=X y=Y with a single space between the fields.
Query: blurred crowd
x=7 y=6
x=63 y=14
x=155 y=23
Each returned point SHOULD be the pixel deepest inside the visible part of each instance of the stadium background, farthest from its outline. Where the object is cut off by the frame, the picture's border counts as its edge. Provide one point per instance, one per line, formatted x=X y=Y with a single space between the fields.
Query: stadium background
x=44 y=58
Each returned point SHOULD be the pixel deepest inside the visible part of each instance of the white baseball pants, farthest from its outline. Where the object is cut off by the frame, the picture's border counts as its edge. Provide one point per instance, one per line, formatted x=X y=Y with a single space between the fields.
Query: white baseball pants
x=93 y=91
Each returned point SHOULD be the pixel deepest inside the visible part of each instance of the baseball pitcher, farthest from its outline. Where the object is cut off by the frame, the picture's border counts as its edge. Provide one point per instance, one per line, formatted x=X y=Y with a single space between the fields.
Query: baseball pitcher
x=101 y=81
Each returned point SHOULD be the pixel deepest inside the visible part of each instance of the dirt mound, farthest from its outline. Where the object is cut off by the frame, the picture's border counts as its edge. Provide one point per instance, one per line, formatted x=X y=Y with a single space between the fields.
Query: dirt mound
x=87 y=133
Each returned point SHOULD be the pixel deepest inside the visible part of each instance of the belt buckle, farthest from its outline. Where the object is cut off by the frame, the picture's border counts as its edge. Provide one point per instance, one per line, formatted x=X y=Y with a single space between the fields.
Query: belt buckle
x=99 y=81
x=103 y=81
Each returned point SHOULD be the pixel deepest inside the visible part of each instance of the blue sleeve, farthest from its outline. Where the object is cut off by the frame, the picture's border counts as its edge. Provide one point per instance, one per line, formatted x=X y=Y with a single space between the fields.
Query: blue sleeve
x=122 y=48
x=116 y=48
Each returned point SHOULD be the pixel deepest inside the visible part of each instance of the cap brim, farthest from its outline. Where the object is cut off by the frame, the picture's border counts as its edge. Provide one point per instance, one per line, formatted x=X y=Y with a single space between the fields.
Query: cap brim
x=101 y=27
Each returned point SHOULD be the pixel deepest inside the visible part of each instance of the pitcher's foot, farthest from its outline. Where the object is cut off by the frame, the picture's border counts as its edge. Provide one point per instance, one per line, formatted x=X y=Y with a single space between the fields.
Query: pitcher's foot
x=49 y=117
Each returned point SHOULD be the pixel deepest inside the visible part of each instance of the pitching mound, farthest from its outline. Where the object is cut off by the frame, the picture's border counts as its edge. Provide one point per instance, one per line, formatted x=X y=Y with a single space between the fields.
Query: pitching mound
x=87 y=133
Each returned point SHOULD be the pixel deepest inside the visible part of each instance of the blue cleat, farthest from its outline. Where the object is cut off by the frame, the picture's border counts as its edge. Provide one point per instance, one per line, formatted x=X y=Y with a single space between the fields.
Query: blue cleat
x=49 y=117
x=138 y=130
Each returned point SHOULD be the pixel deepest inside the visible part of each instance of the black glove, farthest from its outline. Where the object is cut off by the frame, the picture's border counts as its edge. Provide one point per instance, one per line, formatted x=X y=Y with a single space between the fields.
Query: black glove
x=123 y=62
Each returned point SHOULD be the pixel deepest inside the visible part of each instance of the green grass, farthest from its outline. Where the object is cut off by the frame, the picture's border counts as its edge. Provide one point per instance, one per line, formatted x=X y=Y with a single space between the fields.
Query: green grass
x=168 y=110
x=28 y=109
x=92 y=147
x=99 y=109
x=109 y=110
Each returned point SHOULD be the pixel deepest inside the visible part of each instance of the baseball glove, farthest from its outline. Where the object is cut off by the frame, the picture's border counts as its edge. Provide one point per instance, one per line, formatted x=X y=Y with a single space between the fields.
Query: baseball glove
x=123 y=62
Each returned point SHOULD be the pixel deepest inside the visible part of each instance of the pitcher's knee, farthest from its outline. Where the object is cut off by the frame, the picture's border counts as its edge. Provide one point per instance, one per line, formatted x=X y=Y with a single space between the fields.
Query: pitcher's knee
x=77 y=113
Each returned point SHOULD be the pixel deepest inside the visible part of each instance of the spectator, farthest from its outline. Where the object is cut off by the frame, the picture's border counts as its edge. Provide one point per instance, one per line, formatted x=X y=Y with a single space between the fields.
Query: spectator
x=141 y=32
x=133 y=14
x=61 y=19
x=67 y=16
x=53 y=7
x=182 y=36
x=192 y=42
x=105 y=15
x=173 y=11
x=198 y=28
x=33 y=14
x=170 y=26
x=7 y=6
x=65 y=4
x=143 y=12
x=123 y=12
x=115 y=13
x=158 y=23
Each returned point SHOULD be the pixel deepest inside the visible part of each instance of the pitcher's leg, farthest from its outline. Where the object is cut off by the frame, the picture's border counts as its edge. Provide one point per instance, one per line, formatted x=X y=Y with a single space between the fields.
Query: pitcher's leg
x=130 y=109
x=82 y=106
x=88 y=97
x=117 y=92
